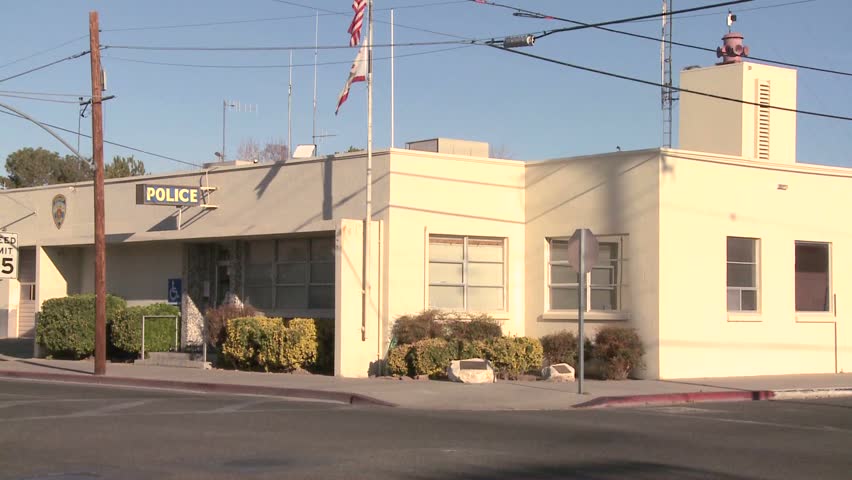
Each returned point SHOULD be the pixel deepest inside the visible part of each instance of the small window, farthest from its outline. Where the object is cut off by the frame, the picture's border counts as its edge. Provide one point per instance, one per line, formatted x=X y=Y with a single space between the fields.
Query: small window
x=742 y=274
x=813 y=278
x=605 y=285
x=466 y=273
x=290 y=274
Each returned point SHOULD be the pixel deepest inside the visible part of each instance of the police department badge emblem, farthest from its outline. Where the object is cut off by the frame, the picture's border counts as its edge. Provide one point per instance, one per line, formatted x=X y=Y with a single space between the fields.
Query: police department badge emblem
x=59 y=210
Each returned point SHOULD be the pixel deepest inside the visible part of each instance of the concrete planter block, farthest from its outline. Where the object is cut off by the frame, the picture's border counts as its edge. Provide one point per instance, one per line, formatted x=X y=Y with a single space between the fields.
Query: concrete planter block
x=560 y=372
x=474 y=370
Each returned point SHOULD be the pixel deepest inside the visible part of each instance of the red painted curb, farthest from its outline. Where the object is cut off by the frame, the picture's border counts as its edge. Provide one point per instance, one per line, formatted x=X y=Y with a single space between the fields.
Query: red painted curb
x=675 y=398
x=329 y=395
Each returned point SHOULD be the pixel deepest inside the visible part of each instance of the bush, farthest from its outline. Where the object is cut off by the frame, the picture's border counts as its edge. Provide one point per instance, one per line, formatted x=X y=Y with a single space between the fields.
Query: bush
x=619 y=350
x=66 y=326
x=560 y=347
x=325 y=347
x=409 y=329
x=126 y=332
x=300 y=344
x=514 y=356
x=217 y=318
x=260 y=343
x=398 y=361
x=472 y=328
x=432 y=357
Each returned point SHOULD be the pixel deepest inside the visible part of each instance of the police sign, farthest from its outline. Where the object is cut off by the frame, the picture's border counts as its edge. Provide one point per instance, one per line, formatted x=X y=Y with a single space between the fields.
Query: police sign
x=175 y=195
x=8 y=255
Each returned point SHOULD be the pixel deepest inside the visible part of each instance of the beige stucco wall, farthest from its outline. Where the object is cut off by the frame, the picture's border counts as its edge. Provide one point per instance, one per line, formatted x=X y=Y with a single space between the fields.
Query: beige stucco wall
x=704 y=199
x=609 y=194
x=452 y=195
x=712 y=125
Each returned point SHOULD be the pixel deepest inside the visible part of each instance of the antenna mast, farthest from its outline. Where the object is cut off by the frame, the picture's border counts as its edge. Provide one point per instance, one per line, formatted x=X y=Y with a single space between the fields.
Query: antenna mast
x=667 y=94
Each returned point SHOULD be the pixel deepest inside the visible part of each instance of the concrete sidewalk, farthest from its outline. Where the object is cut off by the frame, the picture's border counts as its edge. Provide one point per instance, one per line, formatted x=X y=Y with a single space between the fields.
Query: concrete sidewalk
x=437 y=395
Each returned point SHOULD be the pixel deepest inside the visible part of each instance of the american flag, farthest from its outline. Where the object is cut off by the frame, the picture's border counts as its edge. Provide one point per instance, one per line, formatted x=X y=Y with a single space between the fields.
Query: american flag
x=355 y=27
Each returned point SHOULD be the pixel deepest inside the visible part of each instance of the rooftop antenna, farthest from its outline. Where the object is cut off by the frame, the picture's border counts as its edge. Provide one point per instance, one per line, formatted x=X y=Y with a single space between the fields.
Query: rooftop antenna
x=667 y=93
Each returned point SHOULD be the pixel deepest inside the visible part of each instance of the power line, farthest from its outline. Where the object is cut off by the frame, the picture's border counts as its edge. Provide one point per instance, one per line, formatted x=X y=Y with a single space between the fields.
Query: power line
x=41 y=99
x=539 y=15
x=679 y=89
x=139 y=150
x=787 y=4
x=191 y=65
x=278 y=48
x=43 y=51
x=78 y=55
x=45 y=94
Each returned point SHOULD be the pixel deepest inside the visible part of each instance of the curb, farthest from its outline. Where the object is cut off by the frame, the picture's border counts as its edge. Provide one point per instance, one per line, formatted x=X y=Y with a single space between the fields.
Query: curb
x=808 y=393
x=675 y=398
x=327 y=395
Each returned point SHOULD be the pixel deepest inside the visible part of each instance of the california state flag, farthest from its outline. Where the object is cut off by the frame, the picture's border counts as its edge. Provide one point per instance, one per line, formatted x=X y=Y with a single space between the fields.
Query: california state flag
x=358 y=73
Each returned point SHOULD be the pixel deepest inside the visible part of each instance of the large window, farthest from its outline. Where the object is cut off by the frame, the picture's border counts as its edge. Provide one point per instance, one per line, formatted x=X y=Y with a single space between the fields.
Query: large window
x=742 y=274
x=292 y=274
x=605 y=283
x=813 y=281
x=466 y=273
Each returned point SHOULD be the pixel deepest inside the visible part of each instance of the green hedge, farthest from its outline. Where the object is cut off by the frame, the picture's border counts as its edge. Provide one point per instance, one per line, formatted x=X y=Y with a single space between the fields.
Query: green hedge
x=126 y=333
x=619 y=350
x=66 y=326
x=510 y=356
x=451 y=326
x=260 y=343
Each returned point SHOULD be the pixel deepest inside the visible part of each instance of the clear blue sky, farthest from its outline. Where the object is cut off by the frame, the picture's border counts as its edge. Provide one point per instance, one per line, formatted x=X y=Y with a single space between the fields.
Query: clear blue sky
x=525 y=107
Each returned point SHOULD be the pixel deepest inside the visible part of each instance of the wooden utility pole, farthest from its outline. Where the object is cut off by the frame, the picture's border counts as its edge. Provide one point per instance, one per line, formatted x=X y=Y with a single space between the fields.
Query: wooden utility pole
x=98 y=157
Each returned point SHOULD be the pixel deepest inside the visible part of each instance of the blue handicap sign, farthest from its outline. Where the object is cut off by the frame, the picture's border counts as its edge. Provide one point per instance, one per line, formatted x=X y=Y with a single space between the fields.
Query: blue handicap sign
x=175 y=290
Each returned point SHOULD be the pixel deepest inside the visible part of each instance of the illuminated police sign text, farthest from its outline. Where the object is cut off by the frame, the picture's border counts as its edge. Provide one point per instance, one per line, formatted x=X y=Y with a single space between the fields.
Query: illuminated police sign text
x=176 y=195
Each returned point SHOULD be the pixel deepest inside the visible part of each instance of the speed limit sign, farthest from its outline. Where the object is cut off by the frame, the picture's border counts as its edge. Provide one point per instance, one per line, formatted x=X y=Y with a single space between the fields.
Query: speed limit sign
x=8 y=255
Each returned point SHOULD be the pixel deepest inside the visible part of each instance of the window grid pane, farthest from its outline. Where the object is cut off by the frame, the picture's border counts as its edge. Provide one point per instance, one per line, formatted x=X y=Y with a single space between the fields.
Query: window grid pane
x=604 y=284
x=813 y=277
x=290 y=273
x=466 y=273
x=742 y=274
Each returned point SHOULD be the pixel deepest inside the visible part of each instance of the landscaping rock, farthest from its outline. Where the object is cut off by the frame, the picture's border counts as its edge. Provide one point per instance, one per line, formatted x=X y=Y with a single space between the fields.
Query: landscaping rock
x=560 y=372
x=474 y=370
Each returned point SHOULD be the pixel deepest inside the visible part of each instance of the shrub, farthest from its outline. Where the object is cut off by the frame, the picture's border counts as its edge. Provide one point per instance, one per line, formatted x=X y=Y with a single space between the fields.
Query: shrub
x=300 y=344
x=66 y=326
x=432 y=357
x=472 y=328
x=409 y=329
x=253 y=343
x=560 y=347
x=126 y=333
x=514 y=356
x=398 y=360
x=475 y=349
x=325 y=347
x=619 y=350
x=261 y=343
x=217 y=318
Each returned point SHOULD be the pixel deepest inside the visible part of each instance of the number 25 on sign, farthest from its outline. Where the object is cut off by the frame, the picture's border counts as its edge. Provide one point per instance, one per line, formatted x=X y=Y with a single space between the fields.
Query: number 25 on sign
x=8 y=255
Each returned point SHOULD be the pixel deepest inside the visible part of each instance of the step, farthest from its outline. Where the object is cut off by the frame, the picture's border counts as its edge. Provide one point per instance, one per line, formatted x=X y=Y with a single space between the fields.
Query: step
x=167 y=356
x=173 y=359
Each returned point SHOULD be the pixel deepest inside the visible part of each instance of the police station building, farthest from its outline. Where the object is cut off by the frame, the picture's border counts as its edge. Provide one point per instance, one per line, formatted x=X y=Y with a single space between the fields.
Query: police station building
x=725 y=254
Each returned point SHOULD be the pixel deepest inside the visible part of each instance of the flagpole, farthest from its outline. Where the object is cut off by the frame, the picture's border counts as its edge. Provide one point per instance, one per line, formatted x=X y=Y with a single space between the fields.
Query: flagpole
x=392 y=143
x=316 y=52
x=369 y=182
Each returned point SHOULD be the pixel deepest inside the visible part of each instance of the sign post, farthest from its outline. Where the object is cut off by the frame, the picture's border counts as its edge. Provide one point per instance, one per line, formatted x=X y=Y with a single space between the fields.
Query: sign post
x=8 y=255
x=582 y=253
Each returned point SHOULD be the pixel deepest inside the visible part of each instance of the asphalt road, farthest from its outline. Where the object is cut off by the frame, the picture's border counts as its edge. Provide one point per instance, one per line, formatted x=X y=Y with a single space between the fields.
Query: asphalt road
x=61 y=432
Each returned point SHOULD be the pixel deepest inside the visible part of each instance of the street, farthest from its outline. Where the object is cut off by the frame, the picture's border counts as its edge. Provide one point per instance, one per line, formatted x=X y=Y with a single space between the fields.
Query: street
x=61 y=431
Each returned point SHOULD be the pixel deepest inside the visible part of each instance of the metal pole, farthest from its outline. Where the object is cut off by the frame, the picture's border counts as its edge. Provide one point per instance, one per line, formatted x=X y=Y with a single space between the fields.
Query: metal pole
x=316 y=53
x=581 y=314
x=290 y=111
x=224 y=108
x=392 y=143
x=368 y=217
x=98 y=156
x=143 y=338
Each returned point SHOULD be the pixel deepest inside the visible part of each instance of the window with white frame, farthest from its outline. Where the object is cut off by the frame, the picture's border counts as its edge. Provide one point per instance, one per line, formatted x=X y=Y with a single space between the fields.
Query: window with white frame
x=466 y=273
x=290 y=274
x=813 y=277
x=742 y=260
x=605 y=283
